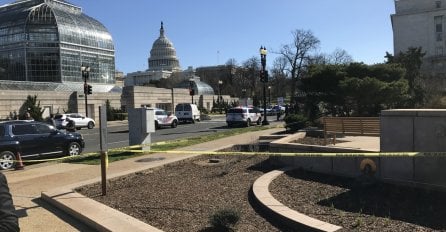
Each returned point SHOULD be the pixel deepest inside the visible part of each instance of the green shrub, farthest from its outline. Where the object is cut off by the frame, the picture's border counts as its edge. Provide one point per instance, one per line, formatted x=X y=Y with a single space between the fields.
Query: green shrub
x=295 y=122
x=224 y=220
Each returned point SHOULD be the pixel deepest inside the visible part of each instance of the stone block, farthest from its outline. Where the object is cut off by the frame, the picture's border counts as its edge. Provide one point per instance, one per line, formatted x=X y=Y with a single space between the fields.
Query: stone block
x=397 y=168
x=430 y=170
x=396 y=133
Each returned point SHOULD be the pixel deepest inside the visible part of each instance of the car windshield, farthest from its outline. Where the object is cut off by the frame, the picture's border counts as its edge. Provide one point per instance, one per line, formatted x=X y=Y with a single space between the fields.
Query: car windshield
x=235 y=111
x=179 y=108
x=59 y=116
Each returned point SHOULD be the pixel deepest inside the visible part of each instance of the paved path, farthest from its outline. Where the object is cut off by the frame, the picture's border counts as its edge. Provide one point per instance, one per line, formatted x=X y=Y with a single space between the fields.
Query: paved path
x=26 y=185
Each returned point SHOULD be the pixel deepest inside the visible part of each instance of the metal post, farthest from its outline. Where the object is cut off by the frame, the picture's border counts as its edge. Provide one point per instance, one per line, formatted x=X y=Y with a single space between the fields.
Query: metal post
x=85 y=74
x=104 y=149
x=265 y=80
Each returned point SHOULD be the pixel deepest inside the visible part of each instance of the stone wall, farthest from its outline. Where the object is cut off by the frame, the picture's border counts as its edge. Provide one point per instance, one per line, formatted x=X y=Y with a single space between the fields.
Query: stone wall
x=167 y=99
x=419 y=130
x=132 y=97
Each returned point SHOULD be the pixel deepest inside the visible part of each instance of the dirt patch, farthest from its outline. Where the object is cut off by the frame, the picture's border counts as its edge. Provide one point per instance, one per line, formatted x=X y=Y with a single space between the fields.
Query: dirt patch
x=361 y=207
x=183 y=195
x=316 y=141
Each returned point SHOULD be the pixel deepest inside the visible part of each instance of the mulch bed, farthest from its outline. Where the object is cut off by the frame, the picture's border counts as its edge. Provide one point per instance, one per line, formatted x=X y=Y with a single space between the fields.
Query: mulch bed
x=183 y=195
x=357 y=206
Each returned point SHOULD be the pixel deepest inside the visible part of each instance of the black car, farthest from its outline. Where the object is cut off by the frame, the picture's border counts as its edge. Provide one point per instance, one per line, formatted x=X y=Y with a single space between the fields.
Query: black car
x=35 y=140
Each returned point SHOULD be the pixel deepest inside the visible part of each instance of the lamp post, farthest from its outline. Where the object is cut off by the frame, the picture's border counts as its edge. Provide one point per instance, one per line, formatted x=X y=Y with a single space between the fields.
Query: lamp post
x=244 y=97
x=85 y=74
x=219 y=101
x=264 y=79
x=269 y=96
x=191 y=89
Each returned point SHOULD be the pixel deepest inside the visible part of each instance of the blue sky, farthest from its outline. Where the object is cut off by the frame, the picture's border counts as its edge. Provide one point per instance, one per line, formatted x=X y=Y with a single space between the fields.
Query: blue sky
x=209 y=32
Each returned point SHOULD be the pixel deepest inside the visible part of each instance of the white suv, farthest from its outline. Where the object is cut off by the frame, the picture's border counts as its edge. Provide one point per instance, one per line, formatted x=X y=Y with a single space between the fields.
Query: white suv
x=162 y=118
x=79 y=120
x=245 y=116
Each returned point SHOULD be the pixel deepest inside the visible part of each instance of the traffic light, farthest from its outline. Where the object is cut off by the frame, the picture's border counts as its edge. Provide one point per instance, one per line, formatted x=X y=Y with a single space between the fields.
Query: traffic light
x=262 y=76
x=191 y=88
x=89 y=89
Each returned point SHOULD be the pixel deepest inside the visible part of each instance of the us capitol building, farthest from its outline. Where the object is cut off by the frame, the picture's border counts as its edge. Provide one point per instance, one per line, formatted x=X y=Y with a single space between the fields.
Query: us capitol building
x=44 y=44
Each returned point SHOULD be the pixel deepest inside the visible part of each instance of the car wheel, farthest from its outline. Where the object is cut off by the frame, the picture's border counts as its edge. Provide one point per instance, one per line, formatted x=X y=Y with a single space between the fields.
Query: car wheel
x=174 y=124
x=156 y=125
x=90 y=125
x=74 y=149
x=193 y=120
x=259 y=121
x=7 y=160
x=248 y=122
x=78 y=128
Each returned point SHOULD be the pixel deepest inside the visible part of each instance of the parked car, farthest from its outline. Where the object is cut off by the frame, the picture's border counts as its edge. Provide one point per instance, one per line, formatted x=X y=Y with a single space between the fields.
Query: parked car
x=79 y=120
x=35 y=140
x=187 y=112
x=245 y=116
x=164 y=119
x=278 y=108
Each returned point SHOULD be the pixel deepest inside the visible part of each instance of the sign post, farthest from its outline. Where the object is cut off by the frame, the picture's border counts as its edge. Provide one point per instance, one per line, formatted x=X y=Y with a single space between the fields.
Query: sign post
x=103 y=145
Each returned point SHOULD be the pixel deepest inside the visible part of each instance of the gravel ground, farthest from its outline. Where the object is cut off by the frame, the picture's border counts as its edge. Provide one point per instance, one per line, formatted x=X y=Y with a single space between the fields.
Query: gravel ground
x=359 y=207
x=182 y=196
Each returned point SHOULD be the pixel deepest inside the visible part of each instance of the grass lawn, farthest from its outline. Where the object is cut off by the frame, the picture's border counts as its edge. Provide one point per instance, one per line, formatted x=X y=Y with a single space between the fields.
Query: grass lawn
x=125 y=153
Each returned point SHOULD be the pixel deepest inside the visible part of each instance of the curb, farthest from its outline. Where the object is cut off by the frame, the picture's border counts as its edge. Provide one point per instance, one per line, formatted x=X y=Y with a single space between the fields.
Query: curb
x=291 y=218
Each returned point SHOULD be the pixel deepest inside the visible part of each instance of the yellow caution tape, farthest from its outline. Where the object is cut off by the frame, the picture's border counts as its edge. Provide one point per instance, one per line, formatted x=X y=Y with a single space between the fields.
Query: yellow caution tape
x=132 y=149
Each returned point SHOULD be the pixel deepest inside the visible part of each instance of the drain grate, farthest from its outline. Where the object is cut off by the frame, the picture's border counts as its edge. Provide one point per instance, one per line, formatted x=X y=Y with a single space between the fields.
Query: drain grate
x=150 y=159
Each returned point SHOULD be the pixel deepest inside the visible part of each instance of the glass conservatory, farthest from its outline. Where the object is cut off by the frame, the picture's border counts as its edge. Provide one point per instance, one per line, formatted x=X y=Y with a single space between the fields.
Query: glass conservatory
x=49 y=40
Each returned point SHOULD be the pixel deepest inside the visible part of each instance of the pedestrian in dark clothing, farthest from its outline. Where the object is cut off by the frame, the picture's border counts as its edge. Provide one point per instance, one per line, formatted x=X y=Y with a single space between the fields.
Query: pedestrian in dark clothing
x=28 y=116
x=286 y=110
x=70 y=125
x=8 y=218
x=51 y=120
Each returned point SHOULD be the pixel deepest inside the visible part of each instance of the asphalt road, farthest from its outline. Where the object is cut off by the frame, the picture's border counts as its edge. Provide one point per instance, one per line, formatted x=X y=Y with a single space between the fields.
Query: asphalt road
x=118 y=136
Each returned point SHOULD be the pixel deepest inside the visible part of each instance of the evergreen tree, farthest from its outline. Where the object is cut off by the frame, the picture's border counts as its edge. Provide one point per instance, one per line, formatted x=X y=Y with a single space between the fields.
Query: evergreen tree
x=32 y=106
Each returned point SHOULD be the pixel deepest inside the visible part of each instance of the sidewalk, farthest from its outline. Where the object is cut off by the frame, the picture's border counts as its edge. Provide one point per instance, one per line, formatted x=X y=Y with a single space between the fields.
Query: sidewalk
x=27 y=185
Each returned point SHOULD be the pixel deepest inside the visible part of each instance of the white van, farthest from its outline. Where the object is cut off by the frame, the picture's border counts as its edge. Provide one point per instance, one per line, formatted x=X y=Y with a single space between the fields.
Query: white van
x=187 y=112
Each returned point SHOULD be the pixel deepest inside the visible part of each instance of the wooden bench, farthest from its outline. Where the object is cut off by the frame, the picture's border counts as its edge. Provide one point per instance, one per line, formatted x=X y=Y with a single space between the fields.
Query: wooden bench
x=351 y=126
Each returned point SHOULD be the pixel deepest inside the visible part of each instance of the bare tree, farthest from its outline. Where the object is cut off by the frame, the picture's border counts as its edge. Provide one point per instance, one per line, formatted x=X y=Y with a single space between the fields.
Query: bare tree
x=231 y=62
x=279 y=81
x=340 y=56
x=297 y=55
x=247 y=77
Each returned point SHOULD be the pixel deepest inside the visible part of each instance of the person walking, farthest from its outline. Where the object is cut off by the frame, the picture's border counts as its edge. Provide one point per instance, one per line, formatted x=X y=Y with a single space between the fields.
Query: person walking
x=28 y=116
x=70 y=127
x=51 y=120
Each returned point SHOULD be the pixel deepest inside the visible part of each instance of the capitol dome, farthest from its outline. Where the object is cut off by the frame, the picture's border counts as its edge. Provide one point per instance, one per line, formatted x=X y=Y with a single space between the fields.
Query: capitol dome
x=163 y=56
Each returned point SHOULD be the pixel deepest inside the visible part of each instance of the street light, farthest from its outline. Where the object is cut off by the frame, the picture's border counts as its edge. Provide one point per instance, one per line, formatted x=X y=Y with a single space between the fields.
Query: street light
x=191 y=89
x=87 y=88
x=269 y=96
x=264 y=78
x=219 y=101
x=244 y=97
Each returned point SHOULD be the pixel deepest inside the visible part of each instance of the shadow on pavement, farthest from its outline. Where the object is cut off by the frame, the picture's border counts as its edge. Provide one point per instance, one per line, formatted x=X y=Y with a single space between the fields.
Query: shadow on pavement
x=80 y=226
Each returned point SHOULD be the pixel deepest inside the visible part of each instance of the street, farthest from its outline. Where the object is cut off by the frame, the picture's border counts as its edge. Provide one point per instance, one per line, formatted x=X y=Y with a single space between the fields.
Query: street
x=118 y=135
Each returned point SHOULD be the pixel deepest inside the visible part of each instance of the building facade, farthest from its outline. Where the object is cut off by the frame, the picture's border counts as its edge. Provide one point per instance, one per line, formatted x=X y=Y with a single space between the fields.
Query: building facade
x=45 y=42
x=421 y=23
